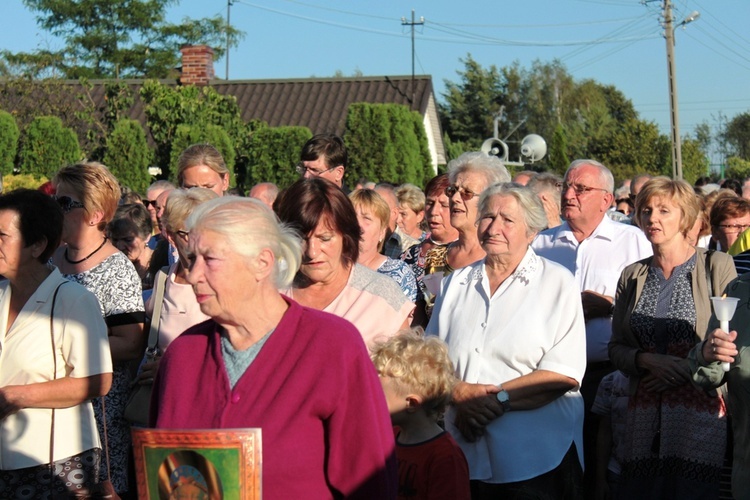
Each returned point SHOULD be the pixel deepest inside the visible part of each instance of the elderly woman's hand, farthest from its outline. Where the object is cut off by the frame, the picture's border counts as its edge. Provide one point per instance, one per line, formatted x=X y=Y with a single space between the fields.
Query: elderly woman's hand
x=720 y=346
x=8 y=398
x=664 y=371
x=476 y=406
x=148 y=373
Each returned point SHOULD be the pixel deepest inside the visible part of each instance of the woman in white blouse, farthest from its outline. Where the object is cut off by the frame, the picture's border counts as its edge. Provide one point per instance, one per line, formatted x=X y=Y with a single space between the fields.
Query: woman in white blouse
x=514 y=326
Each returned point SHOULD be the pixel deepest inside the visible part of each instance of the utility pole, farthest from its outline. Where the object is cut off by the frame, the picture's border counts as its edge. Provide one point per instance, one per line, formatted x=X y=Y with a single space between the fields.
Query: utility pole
x=404 y=22
x=674 y=114
x=229 y=4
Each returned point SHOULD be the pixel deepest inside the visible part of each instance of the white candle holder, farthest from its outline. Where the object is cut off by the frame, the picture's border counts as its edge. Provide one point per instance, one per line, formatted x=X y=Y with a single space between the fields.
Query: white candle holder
x=724 y=308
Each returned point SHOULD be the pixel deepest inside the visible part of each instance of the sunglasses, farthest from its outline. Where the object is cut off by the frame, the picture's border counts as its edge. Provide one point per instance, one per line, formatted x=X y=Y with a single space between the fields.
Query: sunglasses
x=465 y=194
x=67 y=203
x=146 y=203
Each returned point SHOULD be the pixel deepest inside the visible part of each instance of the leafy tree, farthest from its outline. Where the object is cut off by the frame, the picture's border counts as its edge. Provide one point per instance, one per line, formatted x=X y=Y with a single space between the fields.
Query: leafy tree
x=128 y=155
x=168 y=107
x=737 y=136
x=187 y=135
x=47 y=146
x=737 y=168
x=471 y=104
x=694 y=160
x=9 y=135
x=634 y=147
x=273 y=153
x=116 y=38
x=558 y=151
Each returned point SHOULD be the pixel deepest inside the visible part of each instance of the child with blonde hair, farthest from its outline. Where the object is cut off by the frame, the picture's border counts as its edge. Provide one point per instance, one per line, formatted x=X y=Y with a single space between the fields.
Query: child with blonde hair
x=418 y=378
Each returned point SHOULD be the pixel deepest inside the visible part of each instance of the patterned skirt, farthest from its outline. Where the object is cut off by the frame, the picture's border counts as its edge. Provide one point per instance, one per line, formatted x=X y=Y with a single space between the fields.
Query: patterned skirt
x=69 y=475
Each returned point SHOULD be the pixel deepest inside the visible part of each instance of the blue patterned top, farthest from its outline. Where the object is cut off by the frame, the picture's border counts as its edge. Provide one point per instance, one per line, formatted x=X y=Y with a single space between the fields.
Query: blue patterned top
x=401 y=272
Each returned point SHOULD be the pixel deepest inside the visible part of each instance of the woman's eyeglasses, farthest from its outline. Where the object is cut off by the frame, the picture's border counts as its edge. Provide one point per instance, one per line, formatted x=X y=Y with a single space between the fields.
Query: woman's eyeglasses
x=465 y=194
x=146 y=203
x=183 y=234
x=67 y=203
x=733 y=228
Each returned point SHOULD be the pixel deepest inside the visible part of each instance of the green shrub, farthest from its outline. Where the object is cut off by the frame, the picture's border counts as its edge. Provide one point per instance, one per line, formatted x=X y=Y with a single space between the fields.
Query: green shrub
x=47 y=146
x=387 y=142
x=11 y=182
x=273 y=152
x=9 y=134
x=128 y=155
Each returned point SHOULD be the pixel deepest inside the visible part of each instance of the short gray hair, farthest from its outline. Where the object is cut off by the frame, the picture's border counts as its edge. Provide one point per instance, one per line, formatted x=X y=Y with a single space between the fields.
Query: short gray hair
x=163 y=185
x=531 y=205
x=250 y=226
x=491 y=167
x=605 y=175
x=545 y=181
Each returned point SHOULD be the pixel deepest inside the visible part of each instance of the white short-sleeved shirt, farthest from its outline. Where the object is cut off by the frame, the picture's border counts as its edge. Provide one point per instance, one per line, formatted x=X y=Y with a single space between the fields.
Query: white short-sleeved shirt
x=534 y=321
x=596 y=263
x=82 y=350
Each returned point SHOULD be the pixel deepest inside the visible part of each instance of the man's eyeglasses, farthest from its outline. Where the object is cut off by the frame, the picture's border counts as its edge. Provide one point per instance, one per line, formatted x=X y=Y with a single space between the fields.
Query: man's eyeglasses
x=301 y=169
x=67 y=203
x=465 y=194
x=580 y=189
x=734 y=228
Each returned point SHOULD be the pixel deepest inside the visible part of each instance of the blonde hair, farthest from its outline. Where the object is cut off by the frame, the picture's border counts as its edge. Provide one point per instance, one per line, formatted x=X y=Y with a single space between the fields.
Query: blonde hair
x=411 y=196
x=180 y=203
x=250 y=226
x=94 y=185
x=201 y=154
x=678 y=192
x=417 y=364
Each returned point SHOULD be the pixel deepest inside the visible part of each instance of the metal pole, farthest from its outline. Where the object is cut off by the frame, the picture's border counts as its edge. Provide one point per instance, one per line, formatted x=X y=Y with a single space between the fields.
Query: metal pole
x=673 y=105
x=412 y=24
x=229 y=4
x=413 y=95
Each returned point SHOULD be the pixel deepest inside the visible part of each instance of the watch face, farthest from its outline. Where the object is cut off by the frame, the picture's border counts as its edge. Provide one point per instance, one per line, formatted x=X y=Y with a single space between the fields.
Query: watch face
x=502 y=396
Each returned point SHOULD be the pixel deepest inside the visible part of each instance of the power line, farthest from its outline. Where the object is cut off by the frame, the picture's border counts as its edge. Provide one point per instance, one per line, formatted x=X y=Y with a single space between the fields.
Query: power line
x=521 y=43
x=705 y=11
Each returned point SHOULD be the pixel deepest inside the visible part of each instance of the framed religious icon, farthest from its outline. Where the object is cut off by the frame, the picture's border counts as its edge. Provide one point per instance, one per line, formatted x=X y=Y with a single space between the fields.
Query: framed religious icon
x=210 y=464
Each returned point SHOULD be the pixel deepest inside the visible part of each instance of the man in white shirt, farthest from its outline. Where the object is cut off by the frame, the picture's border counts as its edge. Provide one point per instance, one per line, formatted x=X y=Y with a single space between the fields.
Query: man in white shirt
x=595 y=249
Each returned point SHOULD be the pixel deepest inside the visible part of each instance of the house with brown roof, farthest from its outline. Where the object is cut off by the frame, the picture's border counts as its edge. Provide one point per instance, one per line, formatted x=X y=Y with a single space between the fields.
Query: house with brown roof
x=320 y=104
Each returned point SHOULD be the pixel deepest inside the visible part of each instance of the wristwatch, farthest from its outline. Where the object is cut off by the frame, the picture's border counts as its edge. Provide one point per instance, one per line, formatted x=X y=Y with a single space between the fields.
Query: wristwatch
x=504 y=399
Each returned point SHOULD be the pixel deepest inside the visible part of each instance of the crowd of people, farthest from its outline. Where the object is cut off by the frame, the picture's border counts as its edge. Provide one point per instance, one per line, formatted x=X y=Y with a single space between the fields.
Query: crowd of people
x=485 y=337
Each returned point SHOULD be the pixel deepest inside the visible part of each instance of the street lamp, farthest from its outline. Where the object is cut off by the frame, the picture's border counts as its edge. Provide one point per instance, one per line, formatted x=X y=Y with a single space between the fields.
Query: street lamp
x=673 y=106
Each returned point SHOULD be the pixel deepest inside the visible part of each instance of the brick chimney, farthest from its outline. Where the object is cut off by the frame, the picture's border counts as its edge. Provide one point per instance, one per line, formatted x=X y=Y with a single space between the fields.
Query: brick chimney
x=197 y=64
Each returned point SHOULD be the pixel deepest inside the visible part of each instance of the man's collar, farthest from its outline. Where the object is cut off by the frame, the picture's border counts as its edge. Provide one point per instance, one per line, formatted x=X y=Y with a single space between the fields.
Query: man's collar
x=605 y=229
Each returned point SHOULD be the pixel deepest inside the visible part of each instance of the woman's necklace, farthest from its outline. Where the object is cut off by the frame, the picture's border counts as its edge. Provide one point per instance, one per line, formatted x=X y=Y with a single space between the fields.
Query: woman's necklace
x=85 y=258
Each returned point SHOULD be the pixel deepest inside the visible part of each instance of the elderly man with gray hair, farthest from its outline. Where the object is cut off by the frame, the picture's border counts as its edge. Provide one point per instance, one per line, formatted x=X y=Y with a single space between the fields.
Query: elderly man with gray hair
x=595 y=249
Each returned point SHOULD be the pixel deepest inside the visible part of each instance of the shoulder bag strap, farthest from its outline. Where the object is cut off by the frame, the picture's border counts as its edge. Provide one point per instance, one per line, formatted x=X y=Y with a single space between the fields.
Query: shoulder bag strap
x=159 y=288
x=708 y=272
x=54 y=373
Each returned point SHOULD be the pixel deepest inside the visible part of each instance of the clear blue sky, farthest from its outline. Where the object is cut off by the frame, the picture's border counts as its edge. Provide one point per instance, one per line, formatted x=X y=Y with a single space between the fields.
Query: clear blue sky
x=616 y=42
